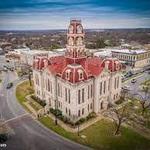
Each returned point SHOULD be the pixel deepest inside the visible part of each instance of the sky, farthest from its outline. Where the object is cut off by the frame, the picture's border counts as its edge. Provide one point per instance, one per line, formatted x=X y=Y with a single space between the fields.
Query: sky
x=55 y=14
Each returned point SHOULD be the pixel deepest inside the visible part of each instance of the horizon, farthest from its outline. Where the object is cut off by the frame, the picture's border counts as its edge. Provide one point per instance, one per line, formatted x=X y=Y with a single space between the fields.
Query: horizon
x=55 y=14
x=6 y=30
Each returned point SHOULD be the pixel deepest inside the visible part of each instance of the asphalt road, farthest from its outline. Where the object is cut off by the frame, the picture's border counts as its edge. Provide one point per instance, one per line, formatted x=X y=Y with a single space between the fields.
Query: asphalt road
x=28 y=133
x=135 y=88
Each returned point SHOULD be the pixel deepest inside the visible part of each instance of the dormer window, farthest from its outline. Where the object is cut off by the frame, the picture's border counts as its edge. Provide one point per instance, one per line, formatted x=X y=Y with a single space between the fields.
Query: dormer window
x=68 y=74
x=107 y=64
x=80 y=73
x=117 y=65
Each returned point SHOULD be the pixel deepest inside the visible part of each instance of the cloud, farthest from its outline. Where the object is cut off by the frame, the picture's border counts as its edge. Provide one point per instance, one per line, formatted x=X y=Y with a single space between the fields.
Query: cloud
x=50 y=14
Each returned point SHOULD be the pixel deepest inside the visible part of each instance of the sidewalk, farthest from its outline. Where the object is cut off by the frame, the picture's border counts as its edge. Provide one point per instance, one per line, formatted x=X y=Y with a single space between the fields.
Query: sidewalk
x=75 y=129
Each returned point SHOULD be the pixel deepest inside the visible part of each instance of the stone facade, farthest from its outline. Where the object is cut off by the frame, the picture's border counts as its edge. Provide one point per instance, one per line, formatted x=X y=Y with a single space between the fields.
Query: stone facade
x=75 y=84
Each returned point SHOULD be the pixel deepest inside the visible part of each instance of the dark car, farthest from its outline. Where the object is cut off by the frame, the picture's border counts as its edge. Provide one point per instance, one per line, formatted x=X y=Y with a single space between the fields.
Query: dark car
x=11 y=69
x=9 y=85
x=127 y=88
x=133 y=80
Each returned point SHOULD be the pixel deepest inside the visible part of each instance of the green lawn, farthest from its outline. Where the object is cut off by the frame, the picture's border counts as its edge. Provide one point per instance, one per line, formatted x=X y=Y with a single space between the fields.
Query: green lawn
x=101 y=136
x=146 y=82
x=35 y=105
x=22 y=91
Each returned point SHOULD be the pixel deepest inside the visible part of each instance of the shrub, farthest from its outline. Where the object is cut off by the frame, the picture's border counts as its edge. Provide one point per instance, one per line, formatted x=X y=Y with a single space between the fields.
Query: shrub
x=91 y=115
x=56 y=112
x=82 y=120
x=42 y=103
x=3 y=138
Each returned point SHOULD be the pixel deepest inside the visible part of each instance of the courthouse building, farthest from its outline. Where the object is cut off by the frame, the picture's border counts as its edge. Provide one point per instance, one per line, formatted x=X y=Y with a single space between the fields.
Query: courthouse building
x=74 y=83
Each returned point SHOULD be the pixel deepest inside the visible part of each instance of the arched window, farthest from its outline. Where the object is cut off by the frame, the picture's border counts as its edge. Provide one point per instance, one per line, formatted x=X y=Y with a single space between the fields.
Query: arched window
x=68 y=71
x=79 y=29
x=80 y=73
x=71 y=29
x=79 y=41
x=70 y=41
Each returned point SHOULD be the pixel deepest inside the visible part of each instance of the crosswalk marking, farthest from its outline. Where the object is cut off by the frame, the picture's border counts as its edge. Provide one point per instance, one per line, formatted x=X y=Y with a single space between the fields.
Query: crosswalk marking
x=16 y=117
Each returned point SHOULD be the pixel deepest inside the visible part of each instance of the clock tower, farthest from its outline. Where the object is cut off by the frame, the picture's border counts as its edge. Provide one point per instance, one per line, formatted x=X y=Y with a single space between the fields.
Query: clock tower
x=75 y=40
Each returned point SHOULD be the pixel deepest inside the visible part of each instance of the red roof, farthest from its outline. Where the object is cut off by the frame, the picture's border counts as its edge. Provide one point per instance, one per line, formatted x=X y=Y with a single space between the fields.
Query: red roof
x=89 y=66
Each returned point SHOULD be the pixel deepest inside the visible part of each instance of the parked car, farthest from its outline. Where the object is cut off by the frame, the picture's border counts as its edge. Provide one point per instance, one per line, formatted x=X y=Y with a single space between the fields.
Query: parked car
x=9 y=85
x=5 y=69
x=125 y=88
x=133 y=80
x=11 y=69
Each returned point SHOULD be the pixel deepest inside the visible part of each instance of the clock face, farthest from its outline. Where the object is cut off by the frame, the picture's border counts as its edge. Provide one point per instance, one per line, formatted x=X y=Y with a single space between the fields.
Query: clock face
x=71 y=29
x=79 y=29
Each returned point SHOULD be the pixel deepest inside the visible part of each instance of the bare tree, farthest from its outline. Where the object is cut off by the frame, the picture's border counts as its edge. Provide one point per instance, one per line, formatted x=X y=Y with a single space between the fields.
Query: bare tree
x=144 y=99
x=26 y=70
x=119 y=116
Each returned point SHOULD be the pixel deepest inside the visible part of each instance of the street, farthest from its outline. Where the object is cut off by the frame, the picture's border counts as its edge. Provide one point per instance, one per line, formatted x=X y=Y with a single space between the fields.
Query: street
x=135 y=88
x=29 y=134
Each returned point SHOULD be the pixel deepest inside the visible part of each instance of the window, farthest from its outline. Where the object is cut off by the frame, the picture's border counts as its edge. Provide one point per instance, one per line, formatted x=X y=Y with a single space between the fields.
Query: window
x=115 y=84
x=69 y=95
x=104 y=87
x=68 y=71
x=83 y=111
x=82 y=95
x=66 y=94
x=91 y=90
x=48 y=85
x=51 y=86
x=66 y=110
x=100 y=88
x=91 y=106
x=114 y=97
x=88 y=107
x=108 y=84
x=78 y=113
x=69 y=112
x=118 y=82
x=88 y=91
x=58 y=89
x=36 y=79
x=49 y=102
x=78 y=96
x=80 y=73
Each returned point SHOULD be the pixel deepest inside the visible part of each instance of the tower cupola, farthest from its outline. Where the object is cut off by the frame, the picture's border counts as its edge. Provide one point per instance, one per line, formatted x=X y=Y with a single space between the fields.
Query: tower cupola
x=75 y=40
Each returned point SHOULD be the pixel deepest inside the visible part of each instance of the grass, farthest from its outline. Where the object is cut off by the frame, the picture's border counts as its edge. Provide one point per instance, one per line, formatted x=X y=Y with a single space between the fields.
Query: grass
x=98 y=136
x=101 y=136
x=35 y=105
x=147 y=82
x=22 y=91
x=0 y=80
